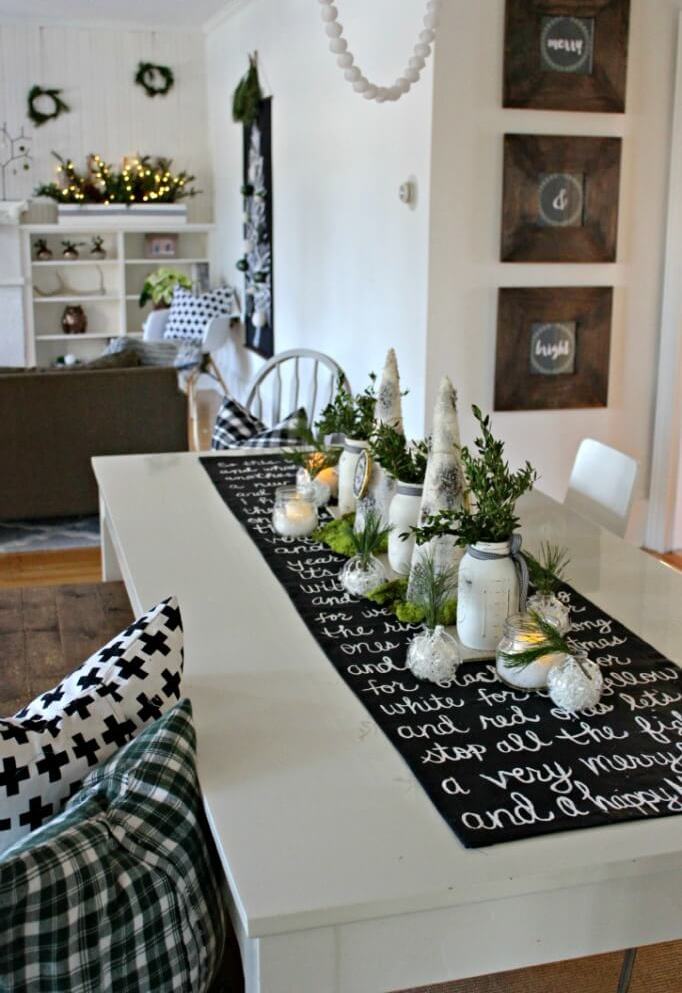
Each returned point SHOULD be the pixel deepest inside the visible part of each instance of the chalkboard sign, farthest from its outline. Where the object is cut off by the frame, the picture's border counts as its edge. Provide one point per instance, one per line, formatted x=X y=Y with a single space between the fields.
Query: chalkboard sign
x=552 y=348
x=567 y=44
x=561 y=199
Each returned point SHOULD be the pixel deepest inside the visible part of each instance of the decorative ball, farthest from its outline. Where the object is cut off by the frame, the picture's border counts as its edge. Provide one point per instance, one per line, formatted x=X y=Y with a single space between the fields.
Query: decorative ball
x=575 y=686
x=325 y=3
x=360 y=85
x=434 y=655
x=338 y=45
x=243 y=265
x=345 y=60
x=371 y=92
x=334 y=29
x=416 y=62
x=382 y=95
x=422 y=50
x=352 y=74
x=394 y=93
x=329 y=13
x=427 y=36
x=412 y=75
x=431 y=21
x=403 y=84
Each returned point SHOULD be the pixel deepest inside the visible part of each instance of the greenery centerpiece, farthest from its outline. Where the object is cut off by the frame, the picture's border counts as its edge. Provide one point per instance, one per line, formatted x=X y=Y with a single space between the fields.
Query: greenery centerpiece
x=316 y=462
x=486 y=525
x=363 y=571
x=141 y=179
x=403 y=460
x=351 y=418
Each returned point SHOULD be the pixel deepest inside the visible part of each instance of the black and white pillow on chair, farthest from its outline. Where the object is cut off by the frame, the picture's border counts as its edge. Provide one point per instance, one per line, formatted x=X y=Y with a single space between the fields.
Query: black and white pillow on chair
x=189 y=313
x=49 y=746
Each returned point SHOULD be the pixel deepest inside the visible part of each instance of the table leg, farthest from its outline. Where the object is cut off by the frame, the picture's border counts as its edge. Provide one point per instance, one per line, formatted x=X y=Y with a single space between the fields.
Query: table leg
x=111 y=570
x=626 y=970
x=302 y=962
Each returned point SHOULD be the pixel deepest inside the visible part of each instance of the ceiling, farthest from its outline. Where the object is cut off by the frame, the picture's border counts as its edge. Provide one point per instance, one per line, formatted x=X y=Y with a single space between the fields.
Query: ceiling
x=149 y=13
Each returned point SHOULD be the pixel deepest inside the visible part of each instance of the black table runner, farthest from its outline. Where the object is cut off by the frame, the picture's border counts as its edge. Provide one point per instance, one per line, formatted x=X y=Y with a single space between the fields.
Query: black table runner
x=499 y=764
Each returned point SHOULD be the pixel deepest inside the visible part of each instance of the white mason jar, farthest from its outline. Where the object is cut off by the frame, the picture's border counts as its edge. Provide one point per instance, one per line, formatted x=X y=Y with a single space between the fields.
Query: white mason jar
x=488 y=593
x=403 y=514
x=380 y=491
x=352 y=448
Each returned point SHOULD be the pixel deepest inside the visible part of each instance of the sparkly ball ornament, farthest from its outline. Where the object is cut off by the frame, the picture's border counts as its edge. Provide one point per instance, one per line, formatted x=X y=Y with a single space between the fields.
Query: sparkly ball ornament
x=434 y=655
x=354 y=75
x=576 y=684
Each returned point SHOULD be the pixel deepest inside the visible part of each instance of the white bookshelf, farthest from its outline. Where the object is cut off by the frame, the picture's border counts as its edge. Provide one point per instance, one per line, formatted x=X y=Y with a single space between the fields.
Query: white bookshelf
x=114 y=311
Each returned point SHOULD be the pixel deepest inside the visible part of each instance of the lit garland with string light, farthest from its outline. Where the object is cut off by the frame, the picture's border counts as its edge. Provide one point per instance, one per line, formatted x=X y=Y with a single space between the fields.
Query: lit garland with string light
x=141 y=179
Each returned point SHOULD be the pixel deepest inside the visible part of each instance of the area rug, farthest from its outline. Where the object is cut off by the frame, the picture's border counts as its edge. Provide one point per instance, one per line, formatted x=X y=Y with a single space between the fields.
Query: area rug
x=49 y=534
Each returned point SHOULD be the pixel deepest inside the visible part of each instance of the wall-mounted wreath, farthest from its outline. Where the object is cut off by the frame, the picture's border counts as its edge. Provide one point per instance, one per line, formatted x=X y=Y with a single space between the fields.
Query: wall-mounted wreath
x=40 y=117
x=155 y=80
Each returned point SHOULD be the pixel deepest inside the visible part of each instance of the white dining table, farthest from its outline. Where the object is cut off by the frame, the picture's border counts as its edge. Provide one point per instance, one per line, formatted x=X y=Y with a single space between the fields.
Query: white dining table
x=343 y=877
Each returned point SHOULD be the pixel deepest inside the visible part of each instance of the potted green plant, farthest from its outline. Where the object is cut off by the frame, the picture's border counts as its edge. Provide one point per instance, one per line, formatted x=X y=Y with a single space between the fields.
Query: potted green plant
x=485 y=525
x=405 y=462
x=159 y=287
x=363 y=571
x=316 y=463
x=546 y=573
x=433 y=654
x=353 y=418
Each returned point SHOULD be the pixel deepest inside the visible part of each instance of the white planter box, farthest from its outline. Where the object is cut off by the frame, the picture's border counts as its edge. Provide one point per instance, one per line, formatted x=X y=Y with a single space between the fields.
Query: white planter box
x=142 y=212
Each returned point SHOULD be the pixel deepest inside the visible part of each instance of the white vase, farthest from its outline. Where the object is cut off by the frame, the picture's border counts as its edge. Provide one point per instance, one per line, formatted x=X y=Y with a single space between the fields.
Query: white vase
x=403 y=514
x=155 y=324
x=380 y=492
x=488 y=593
x=352 y=449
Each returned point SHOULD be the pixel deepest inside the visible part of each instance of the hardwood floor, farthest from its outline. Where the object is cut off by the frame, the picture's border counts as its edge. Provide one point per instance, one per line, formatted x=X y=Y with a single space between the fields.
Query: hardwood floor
x=72 y=565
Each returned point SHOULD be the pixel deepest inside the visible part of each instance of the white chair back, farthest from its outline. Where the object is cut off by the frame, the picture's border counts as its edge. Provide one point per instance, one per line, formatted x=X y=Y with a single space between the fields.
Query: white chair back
x=602 y=485
x=298 y=378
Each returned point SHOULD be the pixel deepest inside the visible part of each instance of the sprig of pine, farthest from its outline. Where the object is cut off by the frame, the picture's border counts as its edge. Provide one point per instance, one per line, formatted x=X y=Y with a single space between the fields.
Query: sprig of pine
x=495 y=490
x=370 y=539
x=554 y=643
x=432 y=588
x=403 y=460
x=548 y=570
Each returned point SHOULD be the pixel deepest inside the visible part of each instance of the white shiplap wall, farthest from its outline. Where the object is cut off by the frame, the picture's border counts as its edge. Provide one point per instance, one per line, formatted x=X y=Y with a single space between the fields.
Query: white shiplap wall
x=94 y=67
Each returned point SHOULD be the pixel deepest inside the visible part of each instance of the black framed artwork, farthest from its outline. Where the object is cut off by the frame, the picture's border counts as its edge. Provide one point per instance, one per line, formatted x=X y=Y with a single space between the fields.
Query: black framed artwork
x=566 y=54
x=560 y=198
x=257 y=263
x=553 y=347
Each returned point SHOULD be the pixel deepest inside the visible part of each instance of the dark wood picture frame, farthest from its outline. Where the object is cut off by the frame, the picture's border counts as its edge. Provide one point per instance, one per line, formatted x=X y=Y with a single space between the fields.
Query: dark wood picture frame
x=594 y=79
x=524 y=311
x=593 y=164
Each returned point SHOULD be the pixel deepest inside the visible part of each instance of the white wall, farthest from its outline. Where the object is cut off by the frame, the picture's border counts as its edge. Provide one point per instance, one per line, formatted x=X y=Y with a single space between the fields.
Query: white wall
x=350 y=259
x=111 y=115
x=465 y=271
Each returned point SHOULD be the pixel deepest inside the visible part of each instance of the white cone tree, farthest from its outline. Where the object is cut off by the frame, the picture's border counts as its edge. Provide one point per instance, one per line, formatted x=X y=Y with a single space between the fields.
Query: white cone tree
x=388 y=411
x=444 y=481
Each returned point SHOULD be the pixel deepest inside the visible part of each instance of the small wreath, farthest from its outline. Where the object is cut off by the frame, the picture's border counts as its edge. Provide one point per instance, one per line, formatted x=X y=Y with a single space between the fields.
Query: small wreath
x=147 y=77
x=39 y=117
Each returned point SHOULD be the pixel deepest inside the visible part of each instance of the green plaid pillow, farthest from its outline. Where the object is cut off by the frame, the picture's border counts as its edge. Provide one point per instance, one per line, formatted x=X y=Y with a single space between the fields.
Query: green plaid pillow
x=123 y=890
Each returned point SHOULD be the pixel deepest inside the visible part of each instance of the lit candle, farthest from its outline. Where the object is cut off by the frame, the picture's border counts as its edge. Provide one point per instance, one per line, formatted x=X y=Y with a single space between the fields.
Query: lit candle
x=521 y=633
x=329 y=477
x=294 y=514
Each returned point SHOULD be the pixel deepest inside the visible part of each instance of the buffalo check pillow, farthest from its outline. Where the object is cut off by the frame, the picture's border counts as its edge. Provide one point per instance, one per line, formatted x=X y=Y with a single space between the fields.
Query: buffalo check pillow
x=123 y=890
x=189 y=314
x=236 y=427
x=48 y=747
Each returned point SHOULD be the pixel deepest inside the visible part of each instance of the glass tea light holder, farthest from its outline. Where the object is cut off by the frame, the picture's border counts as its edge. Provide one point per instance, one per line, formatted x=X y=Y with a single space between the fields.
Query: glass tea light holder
x=522 y=633
x=294 y=514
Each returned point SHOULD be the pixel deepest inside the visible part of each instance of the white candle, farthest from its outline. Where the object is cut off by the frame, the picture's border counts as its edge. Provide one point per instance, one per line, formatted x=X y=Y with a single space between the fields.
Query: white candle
x=294 y=518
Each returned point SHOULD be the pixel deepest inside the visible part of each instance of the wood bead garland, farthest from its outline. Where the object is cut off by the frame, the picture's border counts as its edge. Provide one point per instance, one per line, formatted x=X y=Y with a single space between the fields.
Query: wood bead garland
x=354 y=75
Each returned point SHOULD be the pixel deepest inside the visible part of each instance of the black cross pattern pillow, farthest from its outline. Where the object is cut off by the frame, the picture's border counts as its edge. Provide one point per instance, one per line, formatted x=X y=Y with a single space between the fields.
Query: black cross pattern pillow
x=189 y=314
x=49 y=746
x=286 y=434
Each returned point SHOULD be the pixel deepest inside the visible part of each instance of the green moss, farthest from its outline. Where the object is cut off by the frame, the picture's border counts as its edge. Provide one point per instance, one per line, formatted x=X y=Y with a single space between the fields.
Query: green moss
x=389 y=593
x=409 y=613
x=334 y=535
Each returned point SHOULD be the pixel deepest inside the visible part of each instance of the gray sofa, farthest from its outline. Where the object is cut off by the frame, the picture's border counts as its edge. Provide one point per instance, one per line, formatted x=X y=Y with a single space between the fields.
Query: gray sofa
x=53 y=422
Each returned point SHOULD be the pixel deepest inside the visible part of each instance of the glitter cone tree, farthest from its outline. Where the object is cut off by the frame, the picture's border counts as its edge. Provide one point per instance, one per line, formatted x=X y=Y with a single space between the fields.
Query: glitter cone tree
x=388 y=410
